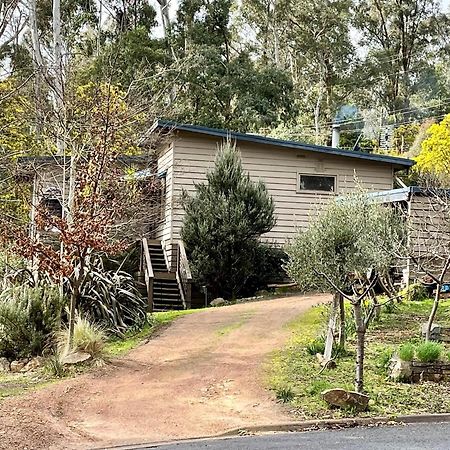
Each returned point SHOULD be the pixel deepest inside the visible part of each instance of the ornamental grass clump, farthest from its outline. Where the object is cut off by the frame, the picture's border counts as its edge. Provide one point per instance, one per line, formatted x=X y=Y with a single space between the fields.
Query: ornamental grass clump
x=406 y=352
x=87 y=338
x=429 y=351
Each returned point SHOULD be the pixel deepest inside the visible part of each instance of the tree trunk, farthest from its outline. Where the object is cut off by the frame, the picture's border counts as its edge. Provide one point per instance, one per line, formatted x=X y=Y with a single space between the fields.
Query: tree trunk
x=317 y=116
x=341 y=321
x=331 y=330
x=72 y=311
x=360 y=334
x=58 y=90
x=433 y=312
x=38 y=65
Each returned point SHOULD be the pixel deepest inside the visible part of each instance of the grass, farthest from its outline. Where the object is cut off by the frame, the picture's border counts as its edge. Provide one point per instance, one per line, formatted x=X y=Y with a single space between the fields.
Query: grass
x=15 y=384
x=118 y=347
x=12 y=384
x=229 y=328
x=294 y=375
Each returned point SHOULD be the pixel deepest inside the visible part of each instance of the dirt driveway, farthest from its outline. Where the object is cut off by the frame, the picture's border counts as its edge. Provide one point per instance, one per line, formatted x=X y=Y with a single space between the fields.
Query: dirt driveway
x=201 y=376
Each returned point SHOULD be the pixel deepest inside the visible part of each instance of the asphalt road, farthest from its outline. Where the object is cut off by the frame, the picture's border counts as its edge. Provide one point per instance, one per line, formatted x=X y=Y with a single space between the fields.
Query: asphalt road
x=401 y=437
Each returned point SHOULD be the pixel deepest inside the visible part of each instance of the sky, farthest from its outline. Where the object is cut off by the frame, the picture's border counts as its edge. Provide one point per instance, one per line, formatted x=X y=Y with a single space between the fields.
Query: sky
x=174 y=6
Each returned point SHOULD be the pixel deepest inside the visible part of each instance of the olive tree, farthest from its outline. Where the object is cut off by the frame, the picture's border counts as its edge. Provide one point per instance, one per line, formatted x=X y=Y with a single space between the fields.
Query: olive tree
x=347 y=247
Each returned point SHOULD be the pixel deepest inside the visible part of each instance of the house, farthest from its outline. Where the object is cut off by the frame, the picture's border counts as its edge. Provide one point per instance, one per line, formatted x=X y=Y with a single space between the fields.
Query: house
x=426 y=212
x=300 y=177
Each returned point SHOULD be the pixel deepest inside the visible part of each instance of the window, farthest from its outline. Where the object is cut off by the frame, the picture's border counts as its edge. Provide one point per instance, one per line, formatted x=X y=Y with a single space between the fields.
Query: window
x=51 y=202
x=321 y=183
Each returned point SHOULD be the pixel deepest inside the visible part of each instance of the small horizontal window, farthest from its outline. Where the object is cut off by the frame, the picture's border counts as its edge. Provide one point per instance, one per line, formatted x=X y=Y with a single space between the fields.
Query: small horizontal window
x=320 y=183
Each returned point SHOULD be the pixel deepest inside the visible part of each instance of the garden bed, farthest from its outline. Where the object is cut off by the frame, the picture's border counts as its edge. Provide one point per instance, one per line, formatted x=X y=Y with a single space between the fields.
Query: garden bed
x=295 y=374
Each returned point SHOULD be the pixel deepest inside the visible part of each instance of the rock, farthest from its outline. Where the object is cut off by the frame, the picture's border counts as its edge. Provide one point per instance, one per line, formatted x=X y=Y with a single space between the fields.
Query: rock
x=33 y=364
x=219 y=302
x=17 y=366
x=4 y=365
x=400 y=370
x=341 y=398
x=435 y=332
x=327 y=364
x=76 y=358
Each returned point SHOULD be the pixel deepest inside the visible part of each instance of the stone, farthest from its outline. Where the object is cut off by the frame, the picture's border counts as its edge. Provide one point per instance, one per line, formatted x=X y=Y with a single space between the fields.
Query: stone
x=219 y=302
x=4 y=365
x=76 y=358
x=435 y=331
x=400 y=370
x=33 y=364
x=341 y=398
x=327 y=364
x=17 y=366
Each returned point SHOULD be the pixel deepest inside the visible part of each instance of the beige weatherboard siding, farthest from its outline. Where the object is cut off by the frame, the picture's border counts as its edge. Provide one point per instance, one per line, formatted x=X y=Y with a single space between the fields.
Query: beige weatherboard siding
x=276 y=162
x=279 y=168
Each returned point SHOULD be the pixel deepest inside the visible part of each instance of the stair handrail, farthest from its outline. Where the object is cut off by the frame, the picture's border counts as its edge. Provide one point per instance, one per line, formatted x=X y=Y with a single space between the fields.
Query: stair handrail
x=148 y=273
x=184 y=274
x=166 y=259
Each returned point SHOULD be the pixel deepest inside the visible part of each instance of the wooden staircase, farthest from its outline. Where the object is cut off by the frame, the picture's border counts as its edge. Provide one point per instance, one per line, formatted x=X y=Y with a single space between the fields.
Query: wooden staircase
x=166 y=289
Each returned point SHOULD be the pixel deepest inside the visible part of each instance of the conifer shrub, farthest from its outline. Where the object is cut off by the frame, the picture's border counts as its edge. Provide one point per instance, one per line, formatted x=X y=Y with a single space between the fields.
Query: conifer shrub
x=223 y=223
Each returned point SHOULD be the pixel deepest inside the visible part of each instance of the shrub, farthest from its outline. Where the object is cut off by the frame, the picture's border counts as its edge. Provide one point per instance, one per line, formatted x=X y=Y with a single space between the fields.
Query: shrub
x=112 y=299
x=222 y=225
x=316 y=346
x=415 y=292
x=383 y=360
x=267 y=268
x=28 y=318
x=406 y=352
x=87 y=338
x=429 y=351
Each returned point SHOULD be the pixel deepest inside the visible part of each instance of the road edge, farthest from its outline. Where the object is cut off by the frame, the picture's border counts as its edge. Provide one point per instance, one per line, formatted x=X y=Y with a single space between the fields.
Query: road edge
x=306 y=425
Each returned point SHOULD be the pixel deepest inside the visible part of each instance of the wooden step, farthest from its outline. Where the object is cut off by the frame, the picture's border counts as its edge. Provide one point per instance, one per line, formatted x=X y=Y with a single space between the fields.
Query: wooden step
x=165 y=276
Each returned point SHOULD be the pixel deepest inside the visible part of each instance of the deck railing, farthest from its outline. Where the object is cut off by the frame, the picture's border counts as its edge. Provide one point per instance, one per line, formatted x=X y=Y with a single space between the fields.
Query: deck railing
x=184 y=276
x=148 y=273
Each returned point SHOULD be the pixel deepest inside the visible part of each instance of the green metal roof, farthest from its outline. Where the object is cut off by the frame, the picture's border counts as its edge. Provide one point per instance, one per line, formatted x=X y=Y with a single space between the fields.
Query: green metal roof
x=401 y=163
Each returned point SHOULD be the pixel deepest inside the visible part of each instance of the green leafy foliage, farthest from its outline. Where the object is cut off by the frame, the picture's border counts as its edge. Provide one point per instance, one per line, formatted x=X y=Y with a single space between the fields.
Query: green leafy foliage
x=383 y=360
x=111 y=298
x=28 y=318
x=429 y=351
x=350 y=236
x=222 y=225
x=434 y=155
x=415 y=292
x=316 y=346
x=406 y=352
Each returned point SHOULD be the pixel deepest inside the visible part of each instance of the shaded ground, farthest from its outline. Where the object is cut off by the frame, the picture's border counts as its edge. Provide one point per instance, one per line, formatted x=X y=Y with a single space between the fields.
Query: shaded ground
x=201 y=376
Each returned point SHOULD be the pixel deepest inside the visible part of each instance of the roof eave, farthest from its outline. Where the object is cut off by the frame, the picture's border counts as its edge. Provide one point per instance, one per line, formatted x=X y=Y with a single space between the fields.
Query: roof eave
x=398 y=163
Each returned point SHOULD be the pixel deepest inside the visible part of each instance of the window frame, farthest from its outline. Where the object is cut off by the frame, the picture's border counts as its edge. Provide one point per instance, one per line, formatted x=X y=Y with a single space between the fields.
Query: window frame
x=314 y=191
